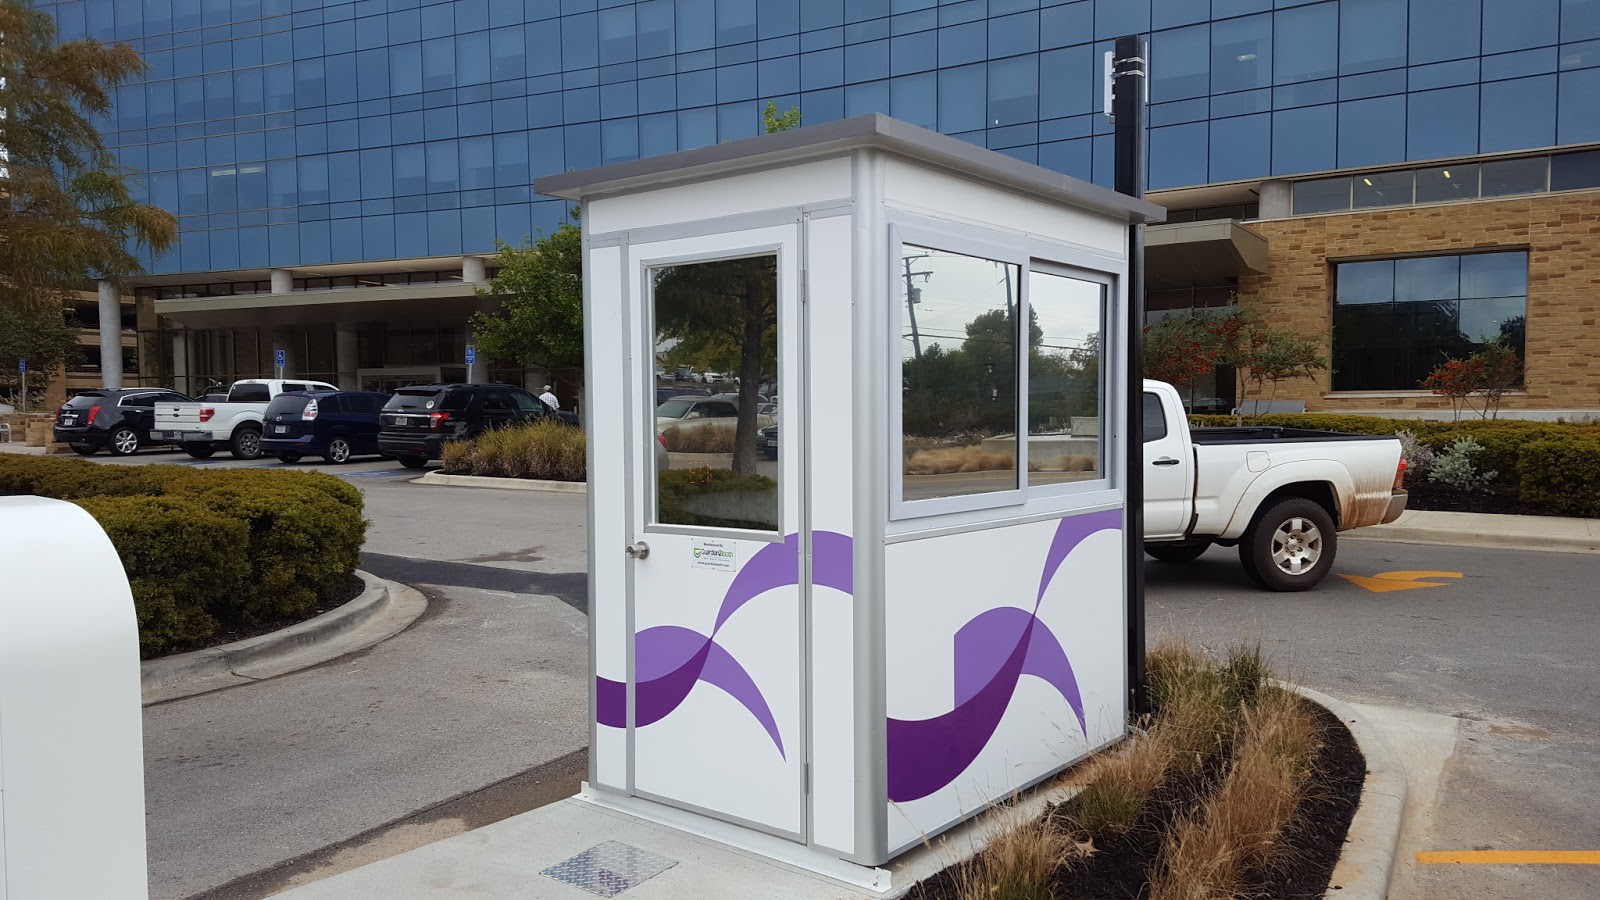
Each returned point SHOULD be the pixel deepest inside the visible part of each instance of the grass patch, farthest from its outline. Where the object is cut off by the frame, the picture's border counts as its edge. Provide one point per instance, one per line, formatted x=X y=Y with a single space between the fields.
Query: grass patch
x=547 y=449
x=1019 y=862
x=700 y=438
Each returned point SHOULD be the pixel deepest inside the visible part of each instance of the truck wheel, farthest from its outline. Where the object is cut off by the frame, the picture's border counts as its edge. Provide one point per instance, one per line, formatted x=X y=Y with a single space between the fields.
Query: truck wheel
x=123 y=442
x=1291 y=546
x=199 y=451
x=246 y=443
x=1187 y=551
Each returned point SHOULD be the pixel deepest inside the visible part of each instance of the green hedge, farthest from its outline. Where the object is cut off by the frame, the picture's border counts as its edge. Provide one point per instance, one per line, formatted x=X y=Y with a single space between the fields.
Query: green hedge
x=678 y=485
x=1506 y=444
x=1562 y=475
x=205 y=549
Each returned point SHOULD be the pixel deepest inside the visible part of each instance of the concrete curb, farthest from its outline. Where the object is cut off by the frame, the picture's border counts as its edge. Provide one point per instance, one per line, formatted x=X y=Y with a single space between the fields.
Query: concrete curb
x=512 y=484
x=383 y=610
x=1372 y=844
x=1403 y=534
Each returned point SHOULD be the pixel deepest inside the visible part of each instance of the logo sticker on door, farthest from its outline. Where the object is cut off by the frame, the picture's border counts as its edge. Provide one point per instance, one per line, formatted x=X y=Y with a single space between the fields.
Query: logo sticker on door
x=719 y=556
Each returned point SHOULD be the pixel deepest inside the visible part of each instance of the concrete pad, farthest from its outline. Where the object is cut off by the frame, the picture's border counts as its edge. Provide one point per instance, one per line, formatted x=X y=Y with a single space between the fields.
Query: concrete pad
x=1425 y=743
x=505 y=484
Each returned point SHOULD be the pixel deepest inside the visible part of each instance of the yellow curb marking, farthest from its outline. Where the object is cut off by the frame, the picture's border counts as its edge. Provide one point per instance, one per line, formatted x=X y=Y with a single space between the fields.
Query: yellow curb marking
x=1408 y=580
x=1514 y=857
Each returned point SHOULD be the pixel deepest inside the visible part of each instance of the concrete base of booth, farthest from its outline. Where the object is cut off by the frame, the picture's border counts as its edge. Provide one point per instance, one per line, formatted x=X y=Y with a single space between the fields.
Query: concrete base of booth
x=522 y=856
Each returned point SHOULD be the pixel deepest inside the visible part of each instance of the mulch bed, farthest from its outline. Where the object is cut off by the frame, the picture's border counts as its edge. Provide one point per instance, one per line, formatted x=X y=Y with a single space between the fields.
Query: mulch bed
x=351 y=589
x=1307 y=853
x=1430 y=495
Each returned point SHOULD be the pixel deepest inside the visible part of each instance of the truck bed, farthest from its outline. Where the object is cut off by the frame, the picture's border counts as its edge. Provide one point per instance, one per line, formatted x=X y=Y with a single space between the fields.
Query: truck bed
x=1251 y=434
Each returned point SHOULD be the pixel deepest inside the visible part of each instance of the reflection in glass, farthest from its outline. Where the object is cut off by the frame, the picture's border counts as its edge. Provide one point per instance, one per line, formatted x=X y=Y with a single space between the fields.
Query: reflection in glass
x=716 y=326
x=959 y=373
x=1515 y=176
x=1322 y=195
x=1064 y=385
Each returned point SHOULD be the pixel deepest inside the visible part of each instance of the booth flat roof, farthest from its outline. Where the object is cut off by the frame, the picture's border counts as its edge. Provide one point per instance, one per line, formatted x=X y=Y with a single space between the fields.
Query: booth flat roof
x=872 y=131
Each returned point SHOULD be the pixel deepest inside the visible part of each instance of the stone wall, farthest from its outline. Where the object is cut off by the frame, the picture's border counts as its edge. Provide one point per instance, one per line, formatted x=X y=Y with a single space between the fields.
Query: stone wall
x=1560 y=231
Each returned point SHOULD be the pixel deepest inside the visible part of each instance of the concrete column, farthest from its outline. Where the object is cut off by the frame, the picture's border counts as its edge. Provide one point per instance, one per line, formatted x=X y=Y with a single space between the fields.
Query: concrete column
x=1275 y=200
x=474 y=270
x=283 y=339
x=282 y=281
x=110 y=335
x=180 y=361
x=346 y=355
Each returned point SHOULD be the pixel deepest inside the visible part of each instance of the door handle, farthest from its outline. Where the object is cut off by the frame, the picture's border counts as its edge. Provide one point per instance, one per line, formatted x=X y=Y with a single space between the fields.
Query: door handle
x=638 y=550
x=1165 y=461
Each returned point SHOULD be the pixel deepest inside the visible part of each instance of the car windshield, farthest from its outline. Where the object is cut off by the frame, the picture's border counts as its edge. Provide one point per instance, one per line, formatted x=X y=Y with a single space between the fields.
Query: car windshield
x=676 y=408
x=411 y=399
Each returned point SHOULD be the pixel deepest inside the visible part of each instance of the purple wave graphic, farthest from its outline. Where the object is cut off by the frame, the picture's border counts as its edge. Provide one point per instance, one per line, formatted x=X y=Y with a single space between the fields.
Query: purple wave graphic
x=669 y=660
x=992 y=653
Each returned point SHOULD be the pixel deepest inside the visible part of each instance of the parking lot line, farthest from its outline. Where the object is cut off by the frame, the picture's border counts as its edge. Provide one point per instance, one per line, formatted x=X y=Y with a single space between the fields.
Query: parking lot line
x=1513 y=857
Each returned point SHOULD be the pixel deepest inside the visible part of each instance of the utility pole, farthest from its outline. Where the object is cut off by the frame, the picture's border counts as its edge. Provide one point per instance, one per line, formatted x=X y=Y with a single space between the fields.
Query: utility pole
x=1130 y=74
x=913 y=297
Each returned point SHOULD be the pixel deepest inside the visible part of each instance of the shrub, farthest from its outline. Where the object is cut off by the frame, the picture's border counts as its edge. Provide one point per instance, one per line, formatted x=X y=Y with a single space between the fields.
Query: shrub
x=1017 y=864
x=547 y=449
x=210 y=548
x=1563 y=476
x=1419 y=456
x=174 y=550
x=1454 y=467
x=700 y=439
x=946 y=460
x=678 y=485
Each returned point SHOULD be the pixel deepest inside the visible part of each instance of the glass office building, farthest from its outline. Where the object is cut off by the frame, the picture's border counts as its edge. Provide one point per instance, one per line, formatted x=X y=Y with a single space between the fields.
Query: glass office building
x=363 y=141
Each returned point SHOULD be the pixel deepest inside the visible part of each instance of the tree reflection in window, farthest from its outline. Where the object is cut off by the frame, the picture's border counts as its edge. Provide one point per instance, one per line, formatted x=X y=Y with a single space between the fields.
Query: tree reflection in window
x=959 y=373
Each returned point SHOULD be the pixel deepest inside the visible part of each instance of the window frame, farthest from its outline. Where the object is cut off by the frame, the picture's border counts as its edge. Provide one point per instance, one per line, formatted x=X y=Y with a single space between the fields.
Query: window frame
x=1029 y=255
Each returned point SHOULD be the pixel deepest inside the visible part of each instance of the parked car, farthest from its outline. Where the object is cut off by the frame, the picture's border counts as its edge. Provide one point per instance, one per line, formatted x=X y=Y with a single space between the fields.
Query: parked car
x=767 y=440
x=692 y=412
x=663 y=394
x=335 y=425
x=117 y=420
x=1281 y=495
x=418 y=420
x=202 y=428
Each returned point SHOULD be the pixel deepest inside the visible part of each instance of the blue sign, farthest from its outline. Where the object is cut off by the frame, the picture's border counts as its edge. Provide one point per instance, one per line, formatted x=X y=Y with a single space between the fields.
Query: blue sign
x=472 y=354
x=22 y=367
x=282 y=359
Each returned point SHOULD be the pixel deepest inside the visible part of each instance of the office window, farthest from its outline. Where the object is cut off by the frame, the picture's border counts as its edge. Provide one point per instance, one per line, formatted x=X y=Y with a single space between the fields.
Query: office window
x=1515 y=176
x=961 y=99
x=1440 y=184
x=1571 y=171
x=1013 y=91
x=1382 y=189
x=1241 y=54
x=1322 y=195
x=1395 y=320
x=1442 y=123
x=1302 y=48
x=1065 y=391
x=1185 y=69
x=1443 y=29
x=1519 y=24
x=1518 y=114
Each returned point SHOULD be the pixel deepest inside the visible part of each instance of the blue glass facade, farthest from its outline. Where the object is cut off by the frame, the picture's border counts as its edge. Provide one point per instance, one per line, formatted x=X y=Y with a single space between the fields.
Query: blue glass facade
x=303 y=132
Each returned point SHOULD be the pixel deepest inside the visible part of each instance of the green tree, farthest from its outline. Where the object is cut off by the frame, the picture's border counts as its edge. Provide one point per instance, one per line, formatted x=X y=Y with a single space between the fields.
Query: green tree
x=68 y=213
x=775 y=121
x=1276 y=356
x=40 y=335
x=540 y=286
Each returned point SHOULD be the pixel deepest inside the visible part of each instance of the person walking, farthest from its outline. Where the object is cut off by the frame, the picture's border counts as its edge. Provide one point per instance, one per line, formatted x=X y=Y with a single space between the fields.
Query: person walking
x=550 y=399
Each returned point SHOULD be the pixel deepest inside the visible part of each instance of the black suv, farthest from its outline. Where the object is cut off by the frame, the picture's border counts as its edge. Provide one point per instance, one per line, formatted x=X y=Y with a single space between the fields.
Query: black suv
x=114 y=419
x=417 y=420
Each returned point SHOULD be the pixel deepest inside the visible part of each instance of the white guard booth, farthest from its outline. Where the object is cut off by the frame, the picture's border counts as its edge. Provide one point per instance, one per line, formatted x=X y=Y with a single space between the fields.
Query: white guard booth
x=874 y=583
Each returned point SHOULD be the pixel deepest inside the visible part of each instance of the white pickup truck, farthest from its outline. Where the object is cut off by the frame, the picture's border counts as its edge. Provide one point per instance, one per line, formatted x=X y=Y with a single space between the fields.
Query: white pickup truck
x=202 y=428
x=1281 y=495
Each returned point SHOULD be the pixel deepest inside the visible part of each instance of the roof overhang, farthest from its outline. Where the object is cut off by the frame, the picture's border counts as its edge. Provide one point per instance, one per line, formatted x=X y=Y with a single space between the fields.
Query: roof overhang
x=838 y=138
x=399 y=303
x=1201 y=254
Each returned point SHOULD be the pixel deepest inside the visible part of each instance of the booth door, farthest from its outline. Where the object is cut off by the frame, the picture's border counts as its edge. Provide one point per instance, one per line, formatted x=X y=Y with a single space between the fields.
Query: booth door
x=717 y=607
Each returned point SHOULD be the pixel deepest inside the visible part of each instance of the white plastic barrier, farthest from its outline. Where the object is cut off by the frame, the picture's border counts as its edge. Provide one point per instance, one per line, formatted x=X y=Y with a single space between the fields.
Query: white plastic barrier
x=71 y=752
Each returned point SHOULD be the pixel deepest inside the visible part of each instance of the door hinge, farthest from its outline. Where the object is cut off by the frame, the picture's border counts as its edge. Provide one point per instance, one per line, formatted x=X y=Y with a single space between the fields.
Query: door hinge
x=804 y=294
x=807 y=769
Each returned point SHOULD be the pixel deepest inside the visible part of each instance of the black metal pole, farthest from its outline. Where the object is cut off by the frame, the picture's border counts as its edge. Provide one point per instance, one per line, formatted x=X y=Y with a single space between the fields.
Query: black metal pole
x=1129 y=69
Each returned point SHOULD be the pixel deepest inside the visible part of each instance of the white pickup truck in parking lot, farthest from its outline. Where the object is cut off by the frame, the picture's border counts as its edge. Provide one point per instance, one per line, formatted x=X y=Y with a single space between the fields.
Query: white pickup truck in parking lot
x=1281 y=495
x=203 y=427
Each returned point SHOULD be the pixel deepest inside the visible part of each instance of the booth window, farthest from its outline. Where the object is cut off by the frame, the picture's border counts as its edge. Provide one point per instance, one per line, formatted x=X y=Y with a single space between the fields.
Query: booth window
x=719 y=319
x=1066 y=320
x=959 y=371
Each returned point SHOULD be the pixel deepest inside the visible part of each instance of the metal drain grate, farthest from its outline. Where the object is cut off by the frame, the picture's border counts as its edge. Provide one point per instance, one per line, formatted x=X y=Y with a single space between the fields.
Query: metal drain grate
x=610 y=868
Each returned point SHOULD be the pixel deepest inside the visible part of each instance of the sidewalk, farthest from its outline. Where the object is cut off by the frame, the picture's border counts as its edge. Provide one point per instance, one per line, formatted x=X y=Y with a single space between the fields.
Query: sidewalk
x=1555 y=533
